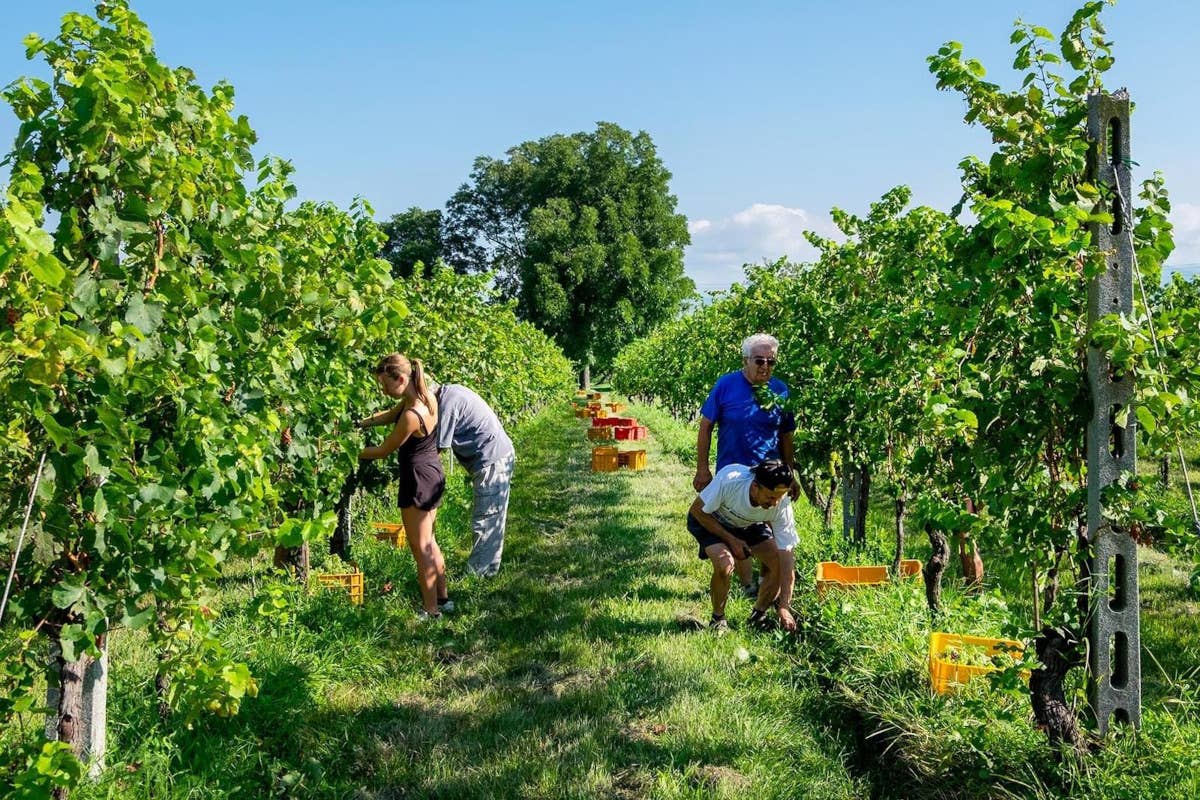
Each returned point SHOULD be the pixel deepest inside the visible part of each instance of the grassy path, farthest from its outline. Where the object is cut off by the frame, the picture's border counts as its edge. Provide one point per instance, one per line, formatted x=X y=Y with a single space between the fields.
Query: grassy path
x=567 y=676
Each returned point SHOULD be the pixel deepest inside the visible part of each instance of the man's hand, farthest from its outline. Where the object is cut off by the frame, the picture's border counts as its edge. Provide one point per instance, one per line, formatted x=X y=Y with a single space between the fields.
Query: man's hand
x=739 y=549
x=703 y=478
x=786 y=620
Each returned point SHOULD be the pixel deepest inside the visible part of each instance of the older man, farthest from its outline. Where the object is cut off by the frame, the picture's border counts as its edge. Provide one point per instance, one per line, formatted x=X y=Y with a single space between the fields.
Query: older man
x=752 y=426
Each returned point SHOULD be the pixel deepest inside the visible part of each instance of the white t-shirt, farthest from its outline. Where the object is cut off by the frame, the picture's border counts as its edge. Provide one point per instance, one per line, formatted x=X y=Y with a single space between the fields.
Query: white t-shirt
x=728 y=499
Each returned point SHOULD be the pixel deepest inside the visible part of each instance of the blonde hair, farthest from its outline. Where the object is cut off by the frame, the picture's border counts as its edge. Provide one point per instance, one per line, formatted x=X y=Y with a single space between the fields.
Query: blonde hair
x=398 y=364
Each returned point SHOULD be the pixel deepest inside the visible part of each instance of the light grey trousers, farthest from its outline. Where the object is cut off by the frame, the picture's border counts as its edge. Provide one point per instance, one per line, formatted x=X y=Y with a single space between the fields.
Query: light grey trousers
x=489 y=513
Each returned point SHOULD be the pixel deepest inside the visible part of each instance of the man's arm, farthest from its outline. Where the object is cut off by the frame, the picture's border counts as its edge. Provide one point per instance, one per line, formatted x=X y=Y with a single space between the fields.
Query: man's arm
x=703 y=445
x=740 y=549
x=787 y=452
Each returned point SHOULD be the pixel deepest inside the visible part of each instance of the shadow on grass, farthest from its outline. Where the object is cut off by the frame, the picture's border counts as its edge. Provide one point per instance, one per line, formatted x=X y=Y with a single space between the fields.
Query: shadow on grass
x=532 y=695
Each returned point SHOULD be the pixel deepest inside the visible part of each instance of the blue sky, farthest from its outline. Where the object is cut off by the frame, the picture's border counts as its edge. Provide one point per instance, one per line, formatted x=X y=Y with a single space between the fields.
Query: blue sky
x=766 y=113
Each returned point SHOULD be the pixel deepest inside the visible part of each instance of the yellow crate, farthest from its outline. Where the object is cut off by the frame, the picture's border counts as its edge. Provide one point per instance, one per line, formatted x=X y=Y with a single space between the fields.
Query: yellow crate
x=583 y=413
x=352 y=582
x=604 y=459
x=601 y=434
x=390 y=532
x=594 y=395
x=832 y=575
x=945 y=674
x=633 y=459
x=617 y=408
x=600 y=413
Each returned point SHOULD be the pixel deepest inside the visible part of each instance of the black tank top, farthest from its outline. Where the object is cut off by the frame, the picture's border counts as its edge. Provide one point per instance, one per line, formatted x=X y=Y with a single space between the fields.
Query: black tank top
x=422 y=449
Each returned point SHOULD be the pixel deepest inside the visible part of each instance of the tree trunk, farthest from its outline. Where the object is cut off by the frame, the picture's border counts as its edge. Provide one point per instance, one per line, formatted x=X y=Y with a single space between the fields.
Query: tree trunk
x=294 y=560
x=856 y=494
x=833 y=483
x=901 y=503
x=1058 y=651
x=585 y=378
x=162 y=681
x=934 y=568
x=811 y=492
x=1164 y=472
x=77 y=697
x=1050 y=593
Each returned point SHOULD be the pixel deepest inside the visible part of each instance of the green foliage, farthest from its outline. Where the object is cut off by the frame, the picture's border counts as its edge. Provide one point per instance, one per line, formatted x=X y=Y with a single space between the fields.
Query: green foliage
x=582 y=231
x=186 y=350
x=414 y=242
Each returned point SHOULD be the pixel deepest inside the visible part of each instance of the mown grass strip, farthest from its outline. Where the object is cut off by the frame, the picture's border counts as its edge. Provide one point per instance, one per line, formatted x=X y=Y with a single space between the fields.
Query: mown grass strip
x=566 y=676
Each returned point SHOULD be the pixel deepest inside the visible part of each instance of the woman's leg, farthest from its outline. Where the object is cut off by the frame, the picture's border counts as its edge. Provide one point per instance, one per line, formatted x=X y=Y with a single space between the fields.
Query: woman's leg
x=438 y=562
x=419 y=526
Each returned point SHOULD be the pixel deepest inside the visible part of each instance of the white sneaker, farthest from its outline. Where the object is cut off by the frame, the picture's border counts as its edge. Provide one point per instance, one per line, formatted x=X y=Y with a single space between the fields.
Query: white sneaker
x=425 y=616
x=448 y=605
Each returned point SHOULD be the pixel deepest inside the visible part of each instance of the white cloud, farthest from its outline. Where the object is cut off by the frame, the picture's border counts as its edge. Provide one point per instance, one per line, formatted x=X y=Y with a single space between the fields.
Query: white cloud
x=764 y=231
x=1186 y=219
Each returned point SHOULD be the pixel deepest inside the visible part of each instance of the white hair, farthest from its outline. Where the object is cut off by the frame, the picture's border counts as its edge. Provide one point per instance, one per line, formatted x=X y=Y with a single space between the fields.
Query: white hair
x=758 y=339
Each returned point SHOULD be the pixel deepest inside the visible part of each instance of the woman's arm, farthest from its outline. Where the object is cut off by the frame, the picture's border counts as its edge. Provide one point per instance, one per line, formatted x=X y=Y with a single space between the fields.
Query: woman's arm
x=386 y=417
x=406 y=425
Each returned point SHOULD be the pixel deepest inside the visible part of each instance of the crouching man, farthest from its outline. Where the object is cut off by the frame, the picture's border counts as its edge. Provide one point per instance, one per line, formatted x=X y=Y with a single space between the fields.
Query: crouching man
x=746 y=512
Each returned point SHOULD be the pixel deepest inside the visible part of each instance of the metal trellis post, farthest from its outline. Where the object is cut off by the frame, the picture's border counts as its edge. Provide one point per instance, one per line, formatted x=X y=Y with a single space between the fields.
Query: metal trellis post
x=1114 y=638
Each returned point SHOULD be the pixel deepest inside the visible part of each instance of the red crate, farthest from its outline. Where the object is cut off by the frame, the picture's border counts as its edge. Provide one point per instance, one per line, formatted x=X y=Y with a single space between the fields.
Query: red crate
x=633 y=434
x=624 y=422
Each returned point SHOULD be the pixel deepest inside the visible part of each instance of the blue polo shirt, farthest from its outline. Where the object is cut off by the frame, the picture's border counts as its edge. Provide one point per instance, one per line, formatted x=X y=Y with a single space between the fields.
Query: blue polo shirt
x=746 y=434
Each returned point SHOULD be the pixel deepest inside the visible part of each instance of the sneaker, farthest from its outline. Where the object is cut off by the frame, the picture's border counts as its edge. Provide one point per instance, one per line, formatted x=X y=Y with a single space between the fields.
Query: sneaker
x=718 y=624
x=425 y=616
x=759 y=621
x=445 y=605
x=750 y=591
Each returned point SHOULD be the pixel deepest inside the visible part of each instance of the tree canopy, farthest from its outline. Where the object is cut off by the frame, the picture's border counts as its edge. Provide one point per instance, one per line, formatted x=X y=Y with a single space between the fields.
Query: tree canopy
x=413 y=237
x=582 y=232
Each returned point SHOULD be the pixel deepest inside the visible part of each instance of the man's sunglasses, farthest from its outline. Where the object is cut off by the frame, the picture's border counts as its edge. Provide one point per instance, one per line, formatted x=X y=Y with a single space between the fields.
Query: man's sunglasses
x=760 y=361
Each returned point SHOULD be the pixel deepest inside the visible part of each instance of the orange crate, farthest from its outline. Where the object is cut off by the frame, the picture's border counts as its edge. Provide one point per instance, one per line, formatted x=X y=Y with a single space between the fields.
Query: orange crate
x=945 y=673
x=352 y=582
x=583 y=413
x=633 y=459
x=616 y=408
x=594 y=395
x=832 y=575
x=601 y=413
x=600 y=434
x=390 y=532
x=604 y=459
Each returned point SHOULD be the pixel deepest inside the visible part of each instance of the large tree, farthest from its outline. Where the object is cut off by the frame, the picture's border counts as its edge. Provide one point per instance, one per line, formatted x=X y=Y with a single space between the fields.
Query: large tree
x=413 y=237
x=581 y=230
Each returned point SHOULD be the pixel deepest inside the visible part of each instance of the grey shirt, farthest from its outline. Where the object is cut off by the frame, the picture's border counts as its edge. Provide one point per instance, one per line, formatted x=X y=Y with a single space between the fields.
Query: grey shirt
x=468 y=426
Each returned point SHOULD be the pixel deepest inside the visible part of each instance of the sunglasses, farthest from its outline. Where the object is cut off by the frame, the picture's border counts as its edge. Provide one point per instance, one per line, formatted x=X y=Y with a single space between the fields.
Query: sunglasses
x=760 y=361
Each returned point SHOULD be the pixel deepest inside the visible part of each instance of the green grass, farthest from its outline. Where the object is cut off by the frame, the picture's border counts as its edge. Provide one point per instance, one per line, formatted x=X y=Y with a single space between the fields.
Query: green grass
x=567 y=676
x=573 y=674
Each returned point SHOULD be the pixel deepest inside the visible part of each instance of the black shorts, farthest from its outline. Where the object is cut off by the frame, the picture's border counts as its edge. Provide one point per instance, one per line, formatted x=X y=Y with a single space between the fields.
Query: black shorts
x=753 y=535
x=422 y=485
